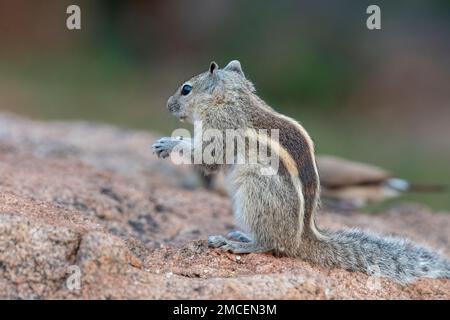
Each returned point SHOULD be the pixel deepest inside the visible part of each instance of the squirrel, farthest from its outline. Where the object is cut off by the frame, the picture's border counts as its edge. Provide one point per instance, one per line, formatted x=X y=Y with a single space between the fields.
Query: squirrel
x=278 y=211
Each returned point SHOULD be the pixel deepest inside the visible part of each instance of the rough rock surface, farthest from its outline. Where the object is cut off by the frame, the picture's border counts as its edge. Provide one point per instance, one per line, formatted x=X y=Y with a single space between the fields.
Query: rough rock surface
x=94 y=198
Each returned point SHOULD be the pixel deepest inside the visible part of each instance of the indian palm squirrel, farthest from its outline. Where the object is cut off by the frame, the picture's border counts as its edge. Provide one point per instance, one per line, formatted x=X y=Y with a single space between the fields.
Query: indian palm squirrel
x=277 y=211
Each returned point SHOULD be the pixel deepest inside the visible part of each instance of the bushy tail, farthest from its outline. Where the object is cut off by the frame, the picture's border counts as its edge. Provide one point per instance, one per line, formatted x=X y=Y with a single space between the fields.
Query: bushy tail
x=399 y=259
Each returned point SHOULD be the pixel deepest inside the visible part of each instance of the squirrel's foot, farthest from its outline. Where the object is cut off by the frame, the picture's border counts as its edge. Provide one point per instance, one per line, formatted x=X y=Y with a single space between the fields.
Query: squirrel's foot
x=216 y=241
x=234 y=246
x=239 y=236
x=164 y=146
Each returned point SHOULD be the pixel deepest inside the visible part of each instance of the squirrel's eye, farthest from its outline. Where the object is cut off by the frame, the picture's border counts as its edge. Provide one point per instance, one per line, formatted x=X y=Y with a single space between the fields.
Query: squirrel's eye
x=186 y=89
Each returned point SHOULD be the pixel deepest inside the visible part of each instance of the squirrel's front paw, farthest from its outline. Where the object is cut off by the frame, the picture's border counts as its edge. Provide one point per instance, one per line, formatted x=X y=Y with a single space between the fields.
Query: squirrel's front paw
x=164 y=146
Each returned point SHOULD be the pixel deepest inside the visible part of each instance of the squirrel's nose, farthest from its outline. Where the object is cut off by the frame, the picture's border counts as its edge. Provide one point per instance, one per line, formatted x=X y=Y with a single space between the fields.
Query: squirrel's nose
x=169 y=102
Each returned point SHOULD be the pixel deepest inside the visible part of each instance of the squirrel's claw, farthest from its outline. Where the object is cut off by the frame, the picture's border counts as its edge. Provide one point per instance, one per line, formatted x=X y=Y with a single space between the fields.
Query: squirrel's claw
x=216 y=241
x=158 y=149
x=164 y=146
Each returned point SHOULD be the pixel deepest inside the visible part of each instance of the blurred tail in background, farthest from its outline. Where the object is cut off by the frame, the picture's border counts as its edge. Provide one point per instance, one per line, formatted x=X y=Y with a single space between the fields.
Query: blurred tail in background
x=349 y=185
x=405 y=186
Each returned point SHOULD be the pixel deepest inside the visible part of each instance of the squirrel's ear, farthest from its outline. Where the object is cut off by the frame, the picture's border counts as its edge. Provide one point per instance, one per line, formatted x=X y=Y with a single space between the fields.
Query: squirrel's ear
x=235 y=66
x=213 y=67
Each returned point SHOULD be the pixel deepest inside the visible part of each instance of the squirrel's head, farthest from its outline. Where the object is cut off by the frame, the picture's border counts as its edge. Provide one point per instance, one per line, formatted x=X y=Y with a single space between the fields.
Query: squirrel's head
x=214 y=88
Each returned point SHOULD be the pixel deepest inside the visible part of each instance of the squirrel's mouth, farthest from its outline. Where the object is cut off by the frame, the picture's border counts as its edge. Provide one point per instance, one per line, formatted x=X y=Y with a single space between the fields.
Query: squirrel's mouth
x=182 y=118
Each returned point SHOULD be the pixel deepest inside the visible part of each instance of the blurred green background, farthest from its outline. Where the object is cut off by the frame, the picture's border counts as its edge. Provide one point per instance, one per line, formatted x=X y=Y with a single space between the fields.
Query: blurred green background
x=381 y=97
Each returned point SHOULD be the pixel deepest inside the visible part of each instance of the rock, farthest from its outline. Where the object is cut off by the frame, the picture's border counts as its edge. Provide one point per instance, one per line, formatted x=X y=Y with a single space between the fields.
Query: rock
x=87 y=212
